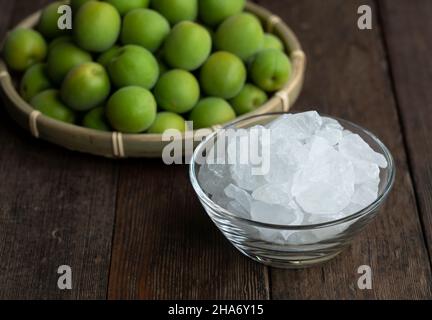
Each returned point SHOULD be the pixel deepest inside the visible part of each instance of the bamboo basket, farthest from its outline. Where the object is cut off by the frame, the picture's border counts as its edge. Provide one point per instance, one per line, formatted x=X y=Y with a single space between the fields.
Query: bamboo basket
x=118 y=145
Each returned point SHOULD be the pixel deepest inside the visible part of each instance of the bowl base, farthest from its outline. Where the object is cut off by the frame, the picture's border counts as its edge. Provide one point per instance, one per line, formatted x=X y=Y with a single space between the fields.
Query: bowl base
x=291 y=262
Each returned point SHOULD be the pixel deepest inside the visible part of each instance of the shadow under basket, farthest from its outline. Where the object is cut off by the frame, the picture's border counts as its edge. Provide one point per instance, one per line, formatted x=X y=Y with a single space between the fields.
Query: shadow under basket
x=118 y=145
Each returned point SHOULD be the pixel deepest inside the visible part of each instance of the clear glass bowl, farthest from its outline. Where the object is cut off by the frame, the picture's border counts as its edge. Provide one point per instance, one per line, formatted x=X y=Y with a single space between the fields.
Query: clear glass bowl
x=315 y=243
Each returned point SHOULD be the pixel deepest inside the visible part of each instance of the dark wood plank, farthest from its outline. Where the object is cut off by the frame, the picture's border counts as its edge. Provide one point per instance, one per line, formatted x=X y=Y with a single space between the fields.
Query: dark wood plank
x=348 y=77
x=165 y=247
x=408 y=31
x=56 y=207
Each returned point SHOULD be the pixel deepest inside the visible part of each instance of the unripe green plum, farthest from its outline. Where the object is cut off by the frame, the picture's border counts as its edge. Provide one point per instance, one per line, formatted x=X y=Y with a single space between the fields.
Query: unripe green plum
x=96 y=26
x=133 y=66
x=95 y=119
x=34 y=81
x=177 y=91
x=131 y=110
x=48 y=103
x=48 y=22
x=223 y=75
x=241 y=34
x=106 y=57
x=187 y=46
x=248 y=100
x=210 y=112
x=166 y=121
x=177 y=10
x=24 y=48
x=125 y=6
x=213 y=12
x=61 y=39
x=62 y=58
x=272 y=42
x=76 y=4
x=270 y=70
x=85 y=87
x=146 y=28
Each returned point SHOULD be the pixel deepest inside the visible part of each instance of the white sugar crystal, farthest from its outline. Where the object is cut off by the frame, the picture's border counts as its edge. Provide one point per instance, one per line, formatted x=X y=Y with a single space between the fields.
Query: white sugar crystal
x=318 y=218
x=325 y=184
x=365 y=171
x=213 y=177
x=302 y=238
x=275 y=214
x=298 y=126
x=354 y=147
x=237 y=208
x=331 y=130
x=286 y=157
x=245 y=178
x=221 y=200
x=366 y=193
x=331 y=123
x=274 y=194
x=332 y=135
x=240 y=196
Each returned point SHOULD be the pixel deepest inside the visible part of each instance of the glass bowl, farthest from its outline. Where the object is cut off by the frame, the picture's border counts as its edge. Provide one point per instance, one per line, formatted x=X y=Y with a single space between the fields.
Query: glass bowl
x=306 y=245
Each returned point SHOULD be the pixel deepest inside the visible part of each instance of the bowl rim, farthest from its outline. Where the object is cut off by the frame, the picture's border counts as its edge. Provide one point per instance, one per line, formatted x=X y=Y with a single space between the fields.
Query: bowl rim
x=364 y=212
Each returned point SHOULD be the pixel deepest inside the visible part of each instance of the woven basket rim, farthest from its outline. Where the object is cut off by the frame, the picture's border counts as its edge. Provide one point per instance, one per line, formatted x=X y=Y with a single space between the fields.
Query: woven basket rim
x=275 y=25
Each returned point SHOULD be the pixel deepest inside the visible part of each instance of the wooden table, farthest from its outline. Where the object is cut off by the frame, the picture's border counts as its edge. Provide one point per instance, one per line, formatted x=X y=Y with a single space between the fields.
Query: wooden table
x=133 y=229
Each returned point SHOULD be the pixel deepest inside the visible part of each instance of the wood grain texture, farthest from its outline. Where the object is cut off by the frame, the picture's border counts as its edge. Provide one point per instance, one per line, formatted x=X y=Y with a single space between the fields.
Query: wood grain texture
x=56 y=207
x=165 y=247
x=348 y=77
x=408 y=32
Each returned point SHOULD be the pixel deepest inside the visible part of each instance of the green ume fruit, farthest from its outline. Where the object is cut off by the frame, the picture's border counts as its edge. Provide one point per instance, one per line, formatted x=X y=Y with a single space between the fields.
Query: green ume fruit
x=48 y=22
x=213 y=12
x=210 y=112
x=133 y=66
x=106 y=57
x=177 y=10
x=248 y=100
x=146 y=28
x=96 y=26
x=76 y=4
x=166 y=121
x=241 y=34
x=272 y=42
x=48 y=102
x=24 y=48
x=62 y=58
x=95 y=119
x=125 y=6
x=223 y=75
x=270 y=70
x=177 y=91
x=61 y=39
x=131 y=110
x=85 y=87
x=187 y=46
x=34 y=81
